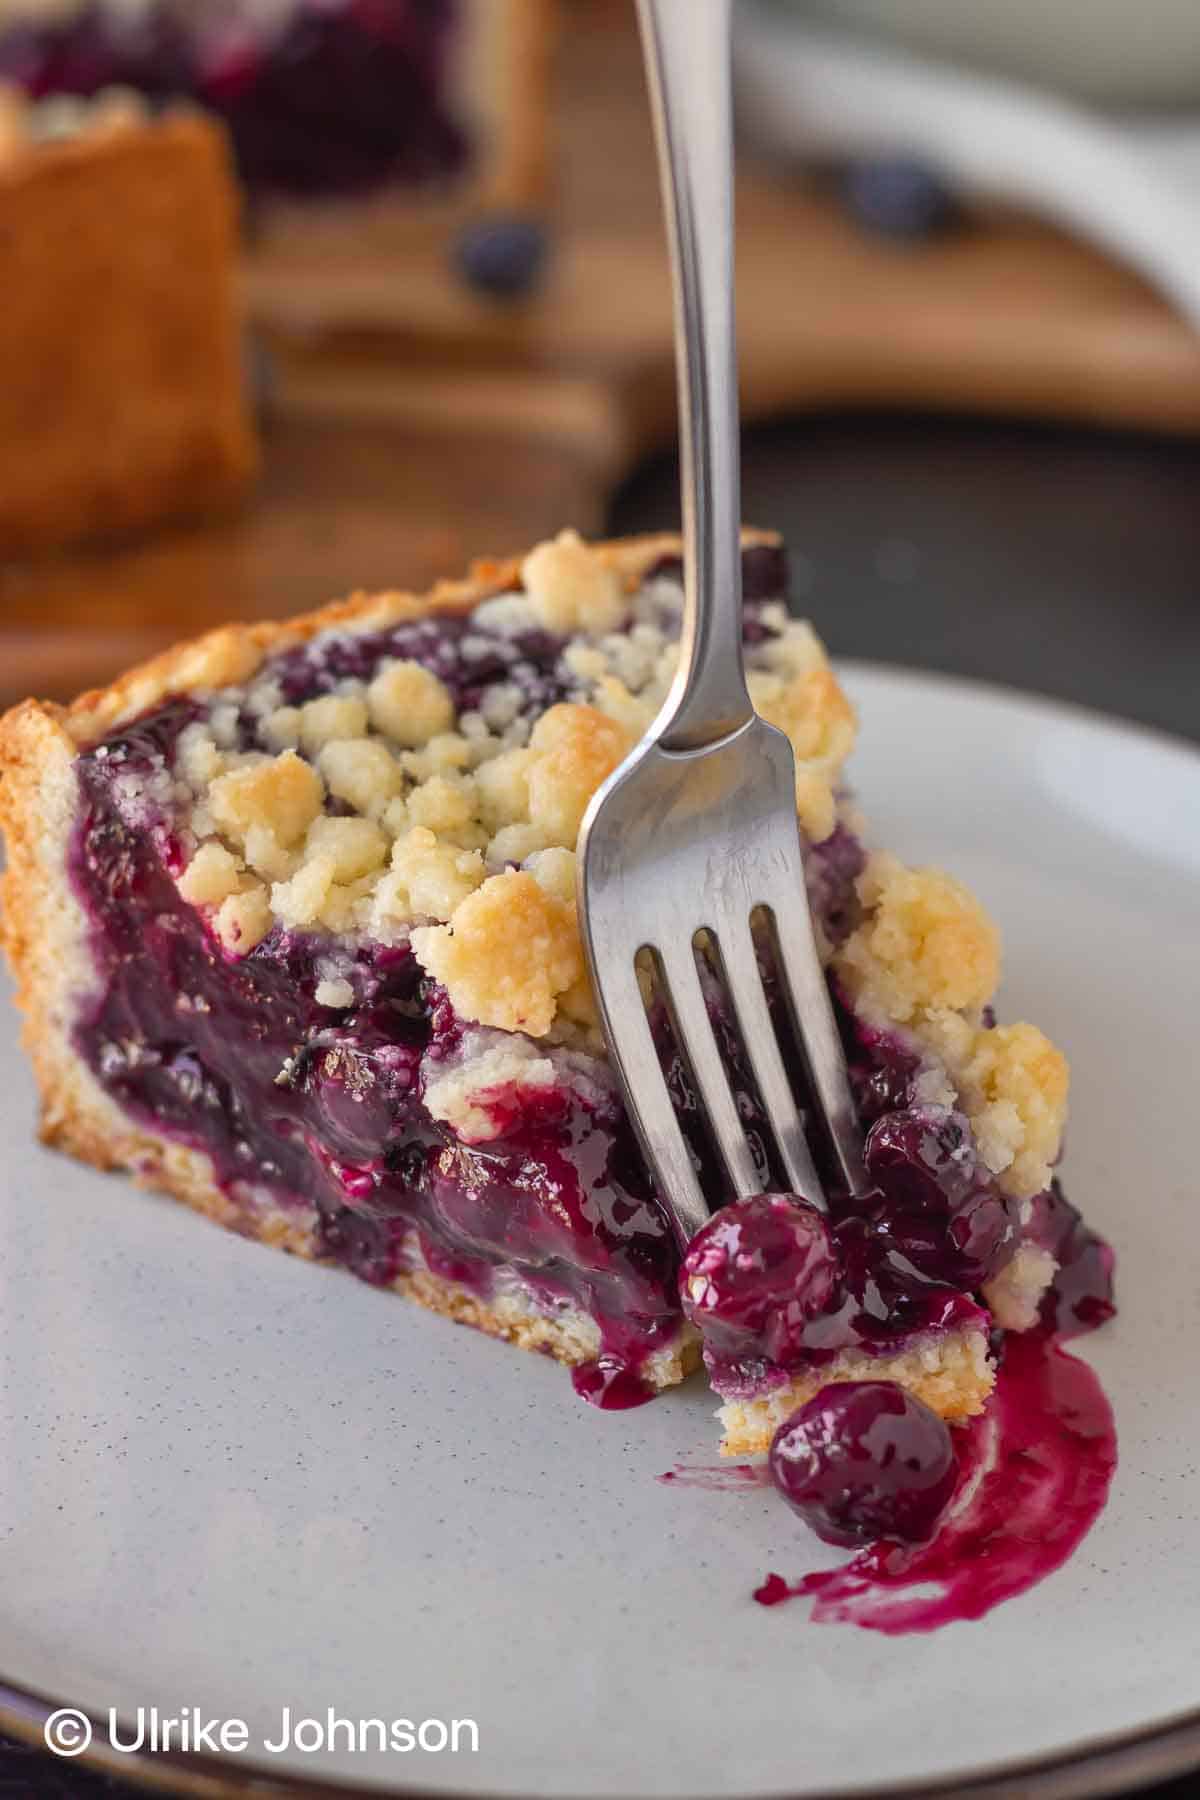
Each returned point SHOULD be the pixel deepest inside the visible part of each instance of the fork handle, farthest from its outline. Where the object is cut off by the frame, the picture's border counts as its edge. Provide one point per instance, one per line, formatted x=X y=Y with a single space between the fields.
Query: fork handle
x=689 y=69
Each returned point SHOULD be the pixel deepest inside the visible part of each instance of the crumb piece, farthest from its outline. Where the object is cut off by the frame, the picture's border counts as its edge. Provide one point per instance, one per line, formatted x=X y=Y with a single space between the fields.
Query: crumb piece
x=267 y=856
x=244 y=919
x=409 y=704
x=343 y=900
x=506 y=615
x=514 y=844
x=197 y=758
x=795 y=649
x=211 y=876
x=554 y=870
x=281 y=728
x=588 y=663
x=1013 y=1086
x=458 y=1092
x=445 y=803
x=428 y=879
x=282 y=792
x=632 y=712
x=571 y=588
x=362 y=772
x=299 y=901
x=574 y=748
x=355 y=846
x=503 y=789
x=223 y=722
x=445 y=754
x=818 y=720
x=578 y=1005
x=510 y=950
x=337 y=993
x=500 y=705
x=926 y=944
x=331 y=717
x=1014 y=1295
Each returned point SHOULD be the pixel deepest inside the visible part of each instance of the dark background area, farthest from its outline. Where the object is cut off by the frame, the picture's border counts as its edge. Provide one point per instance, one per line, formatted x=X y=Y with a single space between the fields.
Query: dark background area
x=1058 y=560
x=1048 y=559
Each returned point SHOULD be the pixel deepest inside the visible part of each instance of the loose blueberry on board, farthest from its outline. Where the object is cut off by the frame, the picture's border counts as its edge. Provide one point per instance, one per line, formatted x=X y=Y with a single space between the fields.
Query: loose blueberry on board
x=899 y=197
x=501 y=255
x=865 y=1460
x=756 y=1273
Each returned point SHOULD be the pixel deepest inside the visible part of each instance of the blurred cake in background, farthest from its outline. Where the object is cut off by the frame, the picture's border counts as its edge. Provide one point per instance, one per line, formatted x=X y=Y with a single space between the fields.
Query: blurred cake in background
x=122 y=400
x=319 y=96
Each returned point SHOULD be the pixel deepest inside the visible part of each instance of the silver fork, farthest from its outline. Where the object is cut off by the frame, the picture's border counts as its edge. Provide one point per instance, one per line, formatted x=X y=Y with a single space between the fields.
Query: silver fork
x=697 y=829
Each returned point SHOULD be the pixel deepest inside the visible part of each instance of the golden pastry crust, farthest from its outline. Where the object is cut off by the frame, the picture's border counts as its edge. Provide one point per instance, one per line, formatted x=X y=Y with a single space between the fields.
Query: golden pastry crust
x=122 y=397
x=953 y=1375
x=44 y=930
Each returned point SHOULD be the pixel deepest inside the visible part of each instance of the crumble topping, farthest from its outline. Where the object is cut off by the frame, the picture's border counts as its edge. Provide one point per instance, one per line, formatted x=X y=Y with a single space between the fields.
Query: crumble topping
x=926 y=945
x=383 y=808
x=926 y=956
x=1014 y=1294
x=1012 y=1083
x=509 y=953
x=378 y=806
x=571 y=588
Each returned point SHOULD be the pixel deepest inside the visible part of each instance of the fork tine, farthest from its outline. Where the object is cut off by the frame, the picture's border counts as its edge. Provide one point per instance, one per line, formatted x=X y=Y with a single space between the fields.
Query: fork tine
x=743 y=979
x=632 y=1047
x=697 y=1040
x=812 y=1019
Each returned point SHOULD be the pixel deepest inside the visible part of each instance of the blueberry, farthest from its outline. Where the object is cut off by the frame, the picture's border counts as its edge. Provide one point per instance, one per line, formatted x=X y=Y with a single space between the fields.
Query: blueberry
x=942 y=1210
x=899 y=197
x=1081 y=1295
x=501 y=255
x=756 y=1274
x=865 y=1460
x=923 y=1158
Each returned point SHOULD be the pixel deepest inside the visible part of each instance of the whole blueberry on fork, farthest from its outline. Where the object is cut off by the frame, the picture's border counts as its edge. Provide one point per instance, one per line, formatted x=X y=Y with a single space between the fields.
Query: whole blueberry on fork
x=756 y=1274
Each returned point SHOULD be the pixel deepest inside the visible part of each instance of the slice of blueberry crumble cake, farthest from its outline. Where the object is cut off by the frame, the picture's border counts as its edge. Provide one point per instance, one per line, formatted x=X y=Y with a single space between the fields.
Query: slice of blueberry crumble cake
x=292 y=915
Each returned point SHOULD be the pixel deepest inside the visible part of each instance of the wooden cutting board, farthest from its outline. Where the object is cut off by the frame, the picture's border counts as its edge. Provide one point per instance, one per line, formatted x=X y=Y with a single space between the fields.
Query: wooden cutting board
x=411 y=426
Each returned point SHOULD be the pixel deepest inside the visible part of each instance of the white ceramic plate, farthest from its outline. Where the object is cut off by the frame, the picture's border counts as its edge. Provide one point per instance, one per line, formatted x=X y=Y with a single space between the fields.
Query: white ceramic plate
x=231 y=1481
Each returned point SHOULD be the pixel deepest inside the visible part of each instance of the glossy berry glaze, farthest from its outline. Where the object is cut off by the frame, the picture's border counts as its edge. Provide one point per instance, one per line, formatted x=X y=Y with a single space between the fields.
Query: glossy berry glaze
x=343 y=95
x=1033 y=1472
x=866 y=1459
x=304 y=1107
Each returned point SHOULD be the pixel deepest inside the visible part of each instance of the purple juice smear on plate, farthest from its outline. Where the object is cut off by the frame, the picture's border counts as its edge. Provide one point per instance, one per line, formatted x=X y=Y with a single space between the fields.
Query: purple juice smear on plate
x=1035 y=1474
x=719 y=1478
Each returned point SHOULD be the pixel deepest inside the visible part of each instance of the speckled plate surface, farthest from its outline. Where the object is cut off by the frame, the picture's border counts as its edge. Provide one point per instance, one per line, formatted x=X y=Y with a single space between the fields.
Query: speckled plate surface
x=234 y=1482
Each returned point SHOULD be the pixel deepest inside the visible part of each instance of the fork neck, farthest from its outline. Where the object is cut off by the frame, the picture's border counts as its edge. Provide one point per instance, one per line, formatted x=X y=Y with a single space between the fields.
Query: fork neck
x=688 y=62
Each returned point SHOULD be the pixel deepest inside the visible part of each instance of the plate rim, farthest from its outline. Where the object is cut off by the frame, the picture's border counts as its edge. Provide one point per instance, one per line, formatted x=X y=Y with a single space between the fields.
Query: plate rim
x=1093 y=1766
x=1088 y=1770
x=1077 y=710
